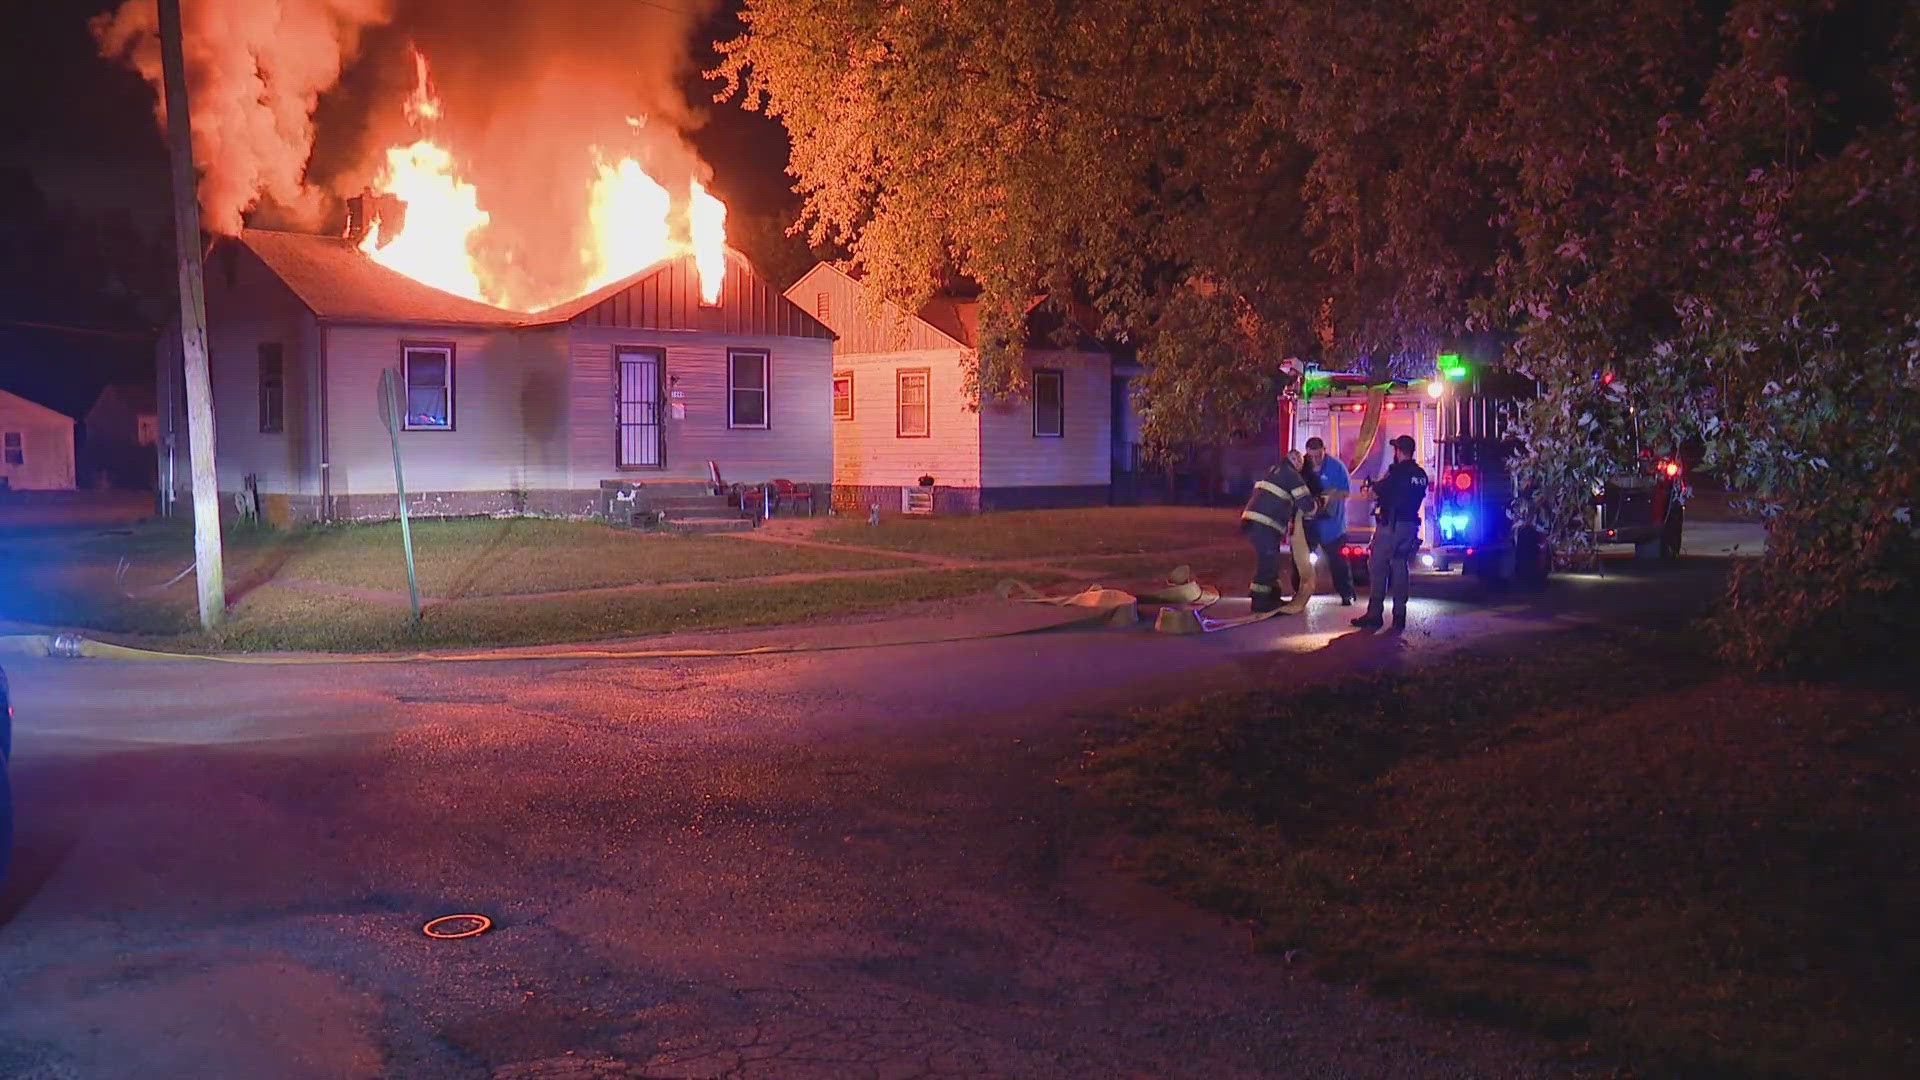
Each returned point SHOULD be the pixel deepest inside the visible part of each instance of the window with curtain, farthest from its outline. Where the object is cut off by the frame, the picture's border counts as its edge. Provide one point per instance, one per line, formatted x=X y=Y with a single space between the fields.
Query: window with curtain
x=428 y=372
x=910 y=398
x=843 y=395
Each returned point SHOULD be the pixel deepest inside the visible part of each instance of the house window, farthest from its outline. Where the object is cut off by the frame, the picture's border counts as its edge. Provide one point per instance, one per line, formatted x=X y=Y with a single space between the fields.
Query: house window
x=910 y=402
x=273 y=389
x=16 y=451
x=843 y=395
x=1049 y=404
x=822 y=307
x=148 y=430
x=428 y=372
x=746 y=389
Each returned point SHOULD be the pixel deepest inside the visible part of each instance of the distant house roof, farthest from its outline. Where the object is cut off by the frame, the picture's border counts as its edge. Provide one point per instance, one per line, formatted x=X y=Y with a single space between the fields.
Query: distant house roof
x=34 y=406
x=136 y=397
x=337 y=281
x=957 y=317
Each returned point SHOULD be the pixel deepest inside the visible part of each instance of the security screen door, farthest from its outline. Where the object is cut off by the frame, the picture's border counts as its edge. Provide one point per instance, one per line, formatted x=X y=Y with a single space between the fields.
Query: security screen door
x=638 y=412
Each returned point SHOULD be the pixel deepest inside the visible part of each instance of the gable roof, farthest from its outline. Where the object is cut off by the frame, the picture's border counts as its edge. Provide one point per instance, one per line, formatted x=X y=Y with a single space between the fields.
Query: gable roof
x=335 y=280
x=957 y=318
x=136 y=397
x=34 y=406
x=667 y=296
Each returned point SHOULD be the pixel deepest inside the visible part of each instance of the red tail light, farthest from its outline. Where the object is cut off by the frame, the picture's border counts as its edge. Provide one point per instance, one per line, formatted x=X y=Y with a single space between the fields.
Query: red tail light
x=1463 y=481
x=1671 y=468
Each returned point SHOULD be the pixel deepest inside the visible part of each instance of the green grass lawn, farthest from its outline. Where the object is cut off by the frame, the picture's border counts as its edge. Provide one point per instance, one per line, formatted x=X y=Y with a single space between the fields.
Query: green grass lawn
x=501 y=557
x=1034 y=534
x=1601 y=837
x=275 y=619
x=483 y=566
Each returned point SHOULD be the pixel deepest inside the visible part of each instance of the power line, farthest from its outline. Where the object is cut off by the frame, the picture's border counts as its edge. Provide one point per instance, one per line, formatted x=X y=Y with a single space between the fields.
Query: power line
x=126 y=335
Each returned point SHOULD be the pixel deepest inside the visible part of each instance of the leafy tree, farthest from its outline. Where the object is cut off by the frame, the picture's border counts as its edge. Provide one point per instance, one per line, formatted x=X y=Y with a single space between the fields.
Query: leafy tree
x=1713 y=199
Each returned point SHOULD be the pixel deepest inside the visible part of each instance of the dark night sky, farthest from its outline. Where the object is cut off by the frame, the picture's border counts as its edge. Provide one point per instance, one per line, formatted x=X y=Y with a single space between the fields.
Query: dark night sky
x=83 y=129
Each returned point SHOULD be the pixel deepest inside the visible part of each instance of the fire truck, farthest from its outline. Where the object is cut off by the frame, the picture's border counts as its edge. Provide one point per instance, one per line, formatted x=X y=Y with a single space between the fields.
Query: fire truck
x=1462 y=420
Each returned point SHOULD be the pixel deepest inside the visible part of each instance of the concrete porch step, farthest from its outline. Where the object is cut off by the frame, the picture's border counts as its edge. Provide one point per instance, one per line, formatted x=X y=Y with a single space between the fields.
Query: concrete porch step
x=671 y=503
x=709 y=524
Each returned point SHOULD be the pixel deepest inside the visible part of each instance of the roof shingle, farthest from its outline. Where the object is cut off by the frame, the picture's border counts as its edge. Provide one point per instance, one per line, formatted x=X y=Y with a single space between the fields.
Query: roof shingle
x=336 y=281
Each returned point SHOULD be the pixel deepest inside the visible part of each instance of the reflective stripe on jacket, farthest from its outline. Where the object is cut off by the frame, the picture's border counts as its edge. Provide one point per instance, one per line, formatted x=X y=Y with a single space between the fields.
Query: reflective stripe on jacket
x=1274 y=497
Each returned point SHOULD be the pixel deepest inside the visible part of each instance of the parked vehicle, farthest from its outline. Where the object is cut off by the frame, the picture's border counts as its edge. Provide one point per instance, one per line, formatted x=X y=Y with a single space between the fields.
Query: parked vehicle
x=1647 y=509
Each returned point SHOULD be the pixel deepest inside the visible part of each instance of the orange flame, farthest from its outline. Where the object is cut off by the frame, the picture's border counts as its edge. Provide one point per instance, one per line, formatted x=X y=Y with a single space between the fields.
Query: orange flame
x=628 y=212
x=443 y=214
x=707 y=221
x=630 y=218
x=421 y=104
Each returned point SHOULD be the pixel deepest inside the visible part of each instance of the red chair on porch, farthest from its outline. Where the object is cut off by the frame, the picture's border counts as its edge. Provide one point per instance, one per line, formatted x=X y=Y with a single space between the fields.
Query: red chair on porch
x=753 y=502
x=786 y=491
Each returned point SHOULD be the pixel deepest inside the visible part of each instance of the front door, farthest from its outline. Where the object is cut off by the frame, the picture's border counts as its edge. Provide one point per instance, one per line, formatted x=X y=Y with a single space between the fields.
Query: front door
x=637 y=412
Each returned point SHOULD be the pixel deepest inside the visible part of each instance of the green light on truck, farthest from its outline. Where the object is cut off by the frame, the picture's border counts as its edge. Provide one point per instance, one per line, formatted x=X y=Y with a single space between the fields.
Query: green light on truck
x=1451 y=365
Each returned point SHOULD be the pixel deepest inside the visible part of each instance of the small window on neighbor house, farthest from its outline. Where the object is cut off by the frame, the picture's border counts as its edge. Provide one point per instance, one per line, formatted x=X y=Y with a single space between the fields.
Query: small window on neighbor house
x=822 y=306
x=428 y=371
x=910 y=401
x=843 y=395
x=147 y=429
x=746 y=389
x=16 y=449
x=273 y=389
x=1049 y=404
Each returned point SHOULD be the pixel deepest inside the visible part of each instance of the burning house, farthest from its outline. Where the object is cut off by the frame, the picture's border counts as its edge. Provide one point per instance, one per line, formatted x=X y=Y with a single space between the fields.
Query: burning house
x=649 y=377
x=581 y=320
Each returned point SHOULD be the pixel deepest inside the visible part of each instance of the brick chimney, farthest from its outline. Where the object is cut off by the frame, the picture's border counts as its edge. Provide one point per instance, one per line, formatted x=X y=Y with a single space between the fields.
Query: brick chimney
x=369 y=208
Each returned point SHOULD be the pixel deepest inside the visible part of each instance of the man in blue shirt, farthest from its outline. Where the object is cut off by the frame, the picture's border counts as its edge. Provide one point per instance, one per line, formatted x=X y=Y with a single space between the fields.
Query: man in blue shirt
x=1328 y=530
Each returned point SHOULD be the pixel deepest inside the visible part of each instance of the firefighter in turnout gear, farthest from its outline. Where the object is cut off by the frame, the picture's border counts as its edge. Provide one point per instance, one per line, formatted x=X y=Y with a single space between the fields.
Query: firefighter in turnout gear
x=1274 y=519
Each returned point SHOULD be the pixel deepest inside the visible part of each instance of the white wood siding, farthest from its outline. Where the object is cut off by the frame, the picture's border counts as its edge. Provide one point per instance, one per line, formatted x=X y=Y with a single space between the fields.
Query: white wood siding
x=511 y=412
x=46 y=446
x=797 y=443
x=247 y=306
x=1012 y=456
x=868 y=450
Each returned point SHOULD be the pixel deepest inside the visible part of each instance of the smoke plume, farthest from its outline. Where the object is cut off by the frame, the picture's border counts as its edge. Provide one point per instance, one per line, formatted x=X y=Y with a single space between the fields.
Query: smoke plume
x=255 y=71
x=534 y=93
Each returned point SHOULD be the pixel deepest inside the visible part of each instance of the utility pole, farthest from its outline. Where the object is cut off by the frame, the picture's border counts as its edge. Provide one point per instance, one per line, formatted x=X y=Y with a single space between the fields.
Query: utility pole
x=193 y=324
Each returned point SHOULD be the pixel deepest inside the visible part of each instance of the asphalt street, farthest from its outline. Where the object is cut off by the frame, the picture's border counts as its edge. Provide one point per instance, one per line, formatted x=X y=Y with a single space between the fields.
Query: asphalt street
x=857 y=863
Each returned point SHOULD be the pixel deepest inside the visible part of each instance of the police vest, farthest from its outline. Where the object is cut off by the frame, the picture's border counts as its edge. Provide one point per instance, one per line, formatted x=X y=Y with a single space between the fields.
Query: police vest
x=1402 y=493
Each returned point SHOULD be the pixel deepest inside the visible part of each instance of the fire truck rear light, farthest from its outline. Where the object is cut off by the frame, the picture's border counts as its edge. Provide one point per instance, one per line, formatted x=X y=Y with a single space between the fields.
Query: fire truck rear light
x=1463 y=481
x=1671 y=468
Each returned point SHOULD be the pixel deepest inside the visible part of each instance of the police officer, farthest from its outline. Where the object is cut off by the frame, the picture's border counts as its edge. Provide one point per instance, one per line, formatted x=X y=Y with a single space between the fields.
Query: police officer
x=1399 y=496
x=1271 y=522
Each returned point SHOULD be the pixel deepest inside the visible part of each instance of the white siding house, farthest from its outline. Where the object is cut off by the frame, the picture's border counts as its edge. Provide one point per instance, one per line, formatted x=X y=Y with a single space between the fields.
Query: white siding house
x=901 y=413
x=36 y=446
x=505 y=412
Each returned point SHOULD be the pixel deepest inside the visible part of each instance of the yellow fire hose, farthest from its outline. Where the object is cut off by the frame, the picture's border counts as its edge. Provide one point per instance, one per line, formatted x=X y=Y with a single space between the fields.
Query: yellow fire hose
x=1102 y=606
x=1369 y=428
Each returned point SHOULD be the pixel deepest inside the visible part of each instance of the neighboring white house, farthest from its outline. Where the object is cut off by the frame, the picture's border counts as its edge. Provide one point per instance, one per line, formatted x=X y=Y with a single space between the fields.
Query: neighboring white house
x=505 y=412
x=36 y=446
x=901 y=412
